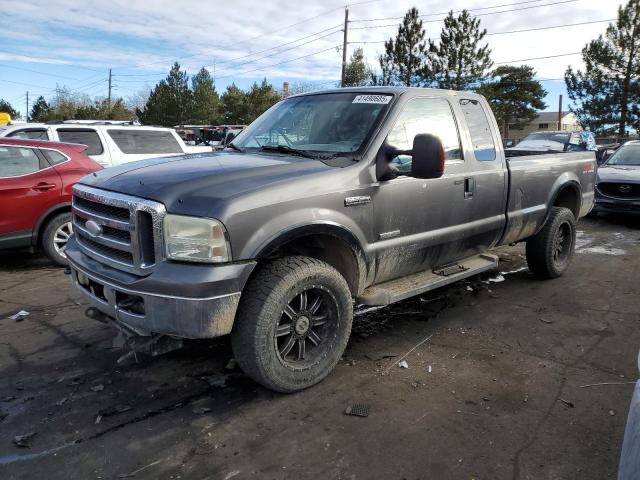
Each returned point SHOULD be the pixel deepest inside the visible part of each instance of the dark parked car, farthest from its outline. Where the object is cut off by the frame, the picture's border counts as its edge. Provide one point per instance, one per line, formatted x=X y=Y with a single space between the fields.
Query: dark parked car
x=377 y=194
x=618 y=181
x=36 y=178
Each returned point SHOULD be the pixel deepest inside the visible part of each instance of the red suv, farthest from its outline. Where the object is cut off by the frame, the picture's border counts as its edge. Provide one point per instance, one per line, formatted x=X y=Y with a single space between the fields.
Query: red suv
x=35 y=193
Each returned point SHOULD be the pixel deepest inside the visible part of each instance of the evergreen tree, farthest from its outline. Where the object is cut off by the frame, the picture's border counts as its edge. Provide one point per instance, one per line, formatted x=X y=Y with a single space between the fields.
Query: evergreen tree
x=403 y=60
x=259 y=99
x=6 y=107
x=355 y=73
x=206 y=102
x=234 y=105
x=40 y=112
x=170 y=102
x=458 y=61
x=514 y=95
x=606 y=95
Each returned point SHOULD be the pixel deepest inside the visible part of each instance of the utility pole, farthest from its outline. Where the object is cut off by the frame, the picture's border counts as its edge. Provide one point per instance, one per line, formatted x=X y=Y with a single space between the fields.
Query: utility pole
x=344 y=44
x=109 y=97
x=214 y=73
x=560 y=113
x=27 y=115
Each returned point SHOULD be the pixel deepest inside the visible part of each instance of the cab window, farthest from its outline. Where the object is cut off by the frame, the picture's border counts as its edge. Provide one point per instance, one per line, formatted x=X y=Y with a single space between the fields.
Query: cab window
x=17 y=161
x=424 y=115
x=484 y=148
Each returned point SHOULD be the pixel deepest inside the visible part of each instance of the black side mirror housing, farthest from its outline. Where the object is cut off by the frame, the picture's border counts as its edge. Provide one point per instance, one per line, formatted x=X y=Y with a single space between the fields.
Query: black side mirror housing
x=428 y=156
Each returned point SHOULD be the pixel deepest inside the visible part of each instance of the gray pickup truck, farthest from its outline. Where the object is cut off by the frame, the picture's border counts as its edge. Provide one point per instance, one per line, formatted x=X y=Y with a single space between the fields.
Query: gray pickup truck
x=370 y=194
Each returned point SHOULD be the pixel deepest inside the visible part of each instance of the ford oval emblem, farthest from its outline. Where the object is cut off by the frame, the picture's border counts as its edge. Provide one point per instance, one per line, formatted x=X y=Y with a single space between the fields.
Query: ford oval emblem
x=624 y=188
x=94 y=229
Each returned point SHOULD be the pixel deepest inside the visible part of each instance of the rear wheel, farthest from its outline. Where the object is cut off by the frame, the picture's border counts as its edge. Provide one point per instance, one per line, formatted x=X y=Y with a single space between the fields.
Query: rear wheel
x=549 y=252
x=293 y=323
x=55 y=236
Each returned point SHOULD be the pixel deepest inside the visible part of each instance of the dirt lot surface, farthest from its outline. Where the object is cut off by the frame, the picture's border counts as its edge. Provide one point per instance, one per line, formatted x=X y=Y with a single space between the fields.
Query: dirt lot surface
x=497 y=391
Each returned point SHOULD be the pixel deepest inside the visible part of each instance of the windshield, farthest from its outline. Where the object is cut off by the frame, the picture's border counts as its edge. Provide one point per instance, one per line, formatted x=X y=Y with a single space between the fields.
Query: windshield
x=626 y=155
x=332 y=123
x=559 y=141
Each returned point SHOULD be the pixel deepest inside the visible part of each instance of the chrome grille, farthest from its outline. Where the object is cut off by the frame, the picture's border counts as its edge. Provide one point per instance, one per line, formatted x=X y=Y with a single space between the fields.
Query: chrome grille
x=129 y=237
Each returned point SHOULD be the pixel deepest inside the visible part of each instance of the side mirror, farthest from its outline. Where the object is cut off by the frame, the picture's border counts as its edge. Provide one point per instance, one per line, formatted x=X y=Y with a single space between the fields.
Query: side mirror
x=428 y=156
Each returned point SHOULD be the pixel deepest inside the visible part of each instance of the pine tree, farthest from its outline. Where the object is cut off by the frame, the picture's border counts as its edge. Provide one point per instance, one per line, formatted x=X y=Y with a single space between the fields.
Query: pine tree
x=6 y=107
x=259 y=99
x=40 y=112
x=355 y=73
x=403 y=60
x=606 y=95
x=458 y=61
x=206 y=102
x=514 y=95
x=234 y=106
x=170 y=102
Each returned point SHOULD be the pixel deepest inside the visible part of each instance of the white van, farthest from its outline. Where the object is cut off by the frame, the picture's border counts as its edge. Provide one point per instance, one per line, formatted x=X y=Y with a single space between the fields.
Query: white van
x=109 y=143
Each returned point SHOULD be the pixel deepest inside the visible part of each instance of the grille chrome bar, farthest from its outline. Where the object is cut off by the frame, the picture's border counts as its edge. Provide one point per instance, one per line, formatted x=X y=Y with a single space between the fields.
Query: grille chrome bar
x=119 y=217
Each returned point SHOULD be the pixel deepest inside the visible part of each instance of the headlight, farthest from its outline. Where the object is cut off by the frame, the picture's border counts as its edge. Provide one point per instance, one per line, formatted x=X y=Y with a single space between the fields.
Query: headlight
x=192 y=239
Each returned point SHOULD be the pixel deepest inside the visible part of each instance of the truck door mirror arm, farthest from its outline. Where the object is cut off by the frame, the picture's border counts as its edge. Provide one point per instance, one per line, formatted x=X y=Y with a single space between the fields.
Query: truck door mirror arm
x=427 y=158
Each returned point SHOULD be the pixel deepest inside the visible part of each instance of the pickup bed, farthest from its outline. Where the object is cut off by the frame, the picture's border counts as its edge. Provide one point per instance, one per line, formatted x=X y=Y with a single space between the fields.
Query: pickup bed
x=373 y=193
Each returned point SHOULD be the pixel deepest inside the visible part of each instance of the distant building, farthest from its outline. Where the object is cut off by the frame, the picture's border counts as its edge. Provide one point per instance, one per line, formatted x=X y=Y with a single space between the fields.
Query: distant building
x=546 y=121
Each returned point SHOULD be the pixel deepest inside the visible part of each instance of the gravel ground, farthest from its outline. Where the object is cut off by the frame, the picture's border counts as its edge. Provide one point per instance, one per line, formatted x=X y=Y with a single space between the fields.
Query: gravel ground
x=499 y=384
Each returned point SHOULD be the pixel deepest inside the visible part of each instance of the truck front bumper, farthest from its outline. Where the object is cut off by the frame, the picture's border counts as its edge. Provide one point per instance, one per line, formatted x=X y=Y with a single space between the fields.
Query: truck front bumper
x=183 y=300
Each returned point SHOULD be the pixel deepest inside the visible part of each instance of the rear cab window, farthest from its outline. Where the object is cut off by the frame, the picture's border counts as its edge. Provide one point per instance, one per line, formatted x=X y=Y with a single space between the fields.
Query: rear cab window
x=484 y=147
x=144 y=141
x=18 y=161
x=84 y=136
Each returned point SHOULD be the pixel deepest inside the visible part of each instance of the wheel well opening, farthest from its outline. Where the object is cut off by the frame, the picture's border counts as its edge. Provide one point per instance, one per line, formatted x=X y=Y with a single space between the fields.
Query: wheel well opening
x=568 y=198
x=47 y=219
x=330 y=249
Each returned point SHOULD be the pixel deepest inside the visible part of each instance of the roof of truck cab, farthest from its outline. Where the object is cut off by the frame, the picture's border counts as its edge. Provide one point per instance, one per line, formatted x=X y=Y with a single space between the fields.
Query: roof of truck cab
x=394 y=90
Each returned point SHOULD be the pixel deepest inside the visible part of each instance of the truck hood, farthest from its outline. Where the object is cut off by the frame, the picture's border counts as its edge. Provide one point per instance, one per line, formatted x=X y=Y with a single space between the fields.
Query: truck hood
x=619 y=173
x=193 y=183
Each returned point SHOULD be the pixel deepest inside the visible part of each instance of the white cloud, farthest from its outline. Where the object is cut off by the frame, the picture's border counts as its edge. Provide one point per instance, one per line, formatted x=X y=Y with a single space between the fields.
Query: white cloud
x=145 y=36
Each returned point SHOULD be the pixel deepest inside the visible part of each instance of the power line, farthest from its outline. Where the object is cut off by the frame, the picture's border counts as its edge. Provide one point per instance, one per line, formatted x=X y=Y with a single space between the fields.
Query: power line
x=281 y=63
x=517 y=31
x=447 y=12
x=338 y=26
x=478 y=15
x=539 y=58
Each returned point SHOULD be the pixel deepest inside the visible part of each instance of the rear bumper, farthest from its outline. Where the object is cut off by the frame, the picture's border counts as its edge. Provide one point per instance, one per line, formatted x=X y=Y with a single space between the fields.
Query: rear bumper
x=144 y=305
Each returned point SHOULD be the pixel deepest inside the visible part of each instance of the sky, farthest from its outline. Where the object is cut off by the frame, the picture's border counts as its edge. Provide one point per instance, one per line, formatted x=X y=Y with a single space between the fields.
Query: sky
x=44 y=43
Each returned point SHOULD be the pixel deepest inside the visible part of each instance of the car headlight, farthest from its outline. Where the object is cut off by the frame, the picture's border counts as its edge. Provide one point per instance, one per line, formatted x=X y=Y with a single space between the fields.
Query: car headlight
x=193 y=239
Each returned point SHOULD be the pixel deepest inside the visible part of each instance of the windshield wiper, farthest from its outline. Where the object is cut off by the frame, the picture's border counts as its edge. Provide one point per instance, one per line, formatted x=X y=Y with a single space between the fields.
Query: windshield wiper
x=235 y=147
x=290 y=150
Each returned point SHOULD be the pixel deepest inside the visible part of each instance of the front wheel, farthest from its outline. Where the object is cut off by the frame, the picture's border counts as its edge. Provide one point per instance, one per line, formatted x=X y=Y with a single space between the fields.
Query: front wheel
x=55 y=237
x=293 y=323
x=549 y=252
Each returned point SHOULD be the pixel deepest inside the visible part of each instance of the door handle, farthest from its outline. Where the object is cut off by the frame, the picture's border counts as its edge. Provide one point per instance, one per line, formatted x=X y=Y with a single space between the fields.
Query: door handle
x=43 y=187
x=469 y=187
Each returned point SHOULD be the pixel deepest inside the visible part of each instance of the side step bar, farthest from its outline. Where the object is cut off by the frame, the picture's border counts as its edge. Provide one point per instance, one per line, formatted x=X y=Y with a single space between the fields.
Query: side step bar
x=421 y=282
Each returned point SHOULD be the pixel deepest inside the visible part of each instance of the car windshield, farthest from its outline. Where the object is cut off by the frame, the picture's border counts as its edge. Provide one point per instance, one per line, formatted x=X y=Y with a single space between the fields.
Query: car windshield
x=626 y=155
x=332 y=123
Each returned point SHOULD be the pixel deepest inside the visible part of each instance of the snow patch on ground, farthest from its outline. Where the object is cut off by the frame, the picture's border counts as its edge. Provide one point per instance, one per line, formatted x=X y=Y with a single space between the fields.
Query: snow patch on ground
x=603 y=250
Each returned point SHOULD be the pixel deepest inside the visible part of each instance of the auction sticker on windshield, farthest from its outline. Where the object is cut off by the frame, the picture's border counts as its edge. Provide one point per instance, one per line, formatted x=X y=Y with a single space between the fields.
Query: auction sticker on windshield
x=377 y=99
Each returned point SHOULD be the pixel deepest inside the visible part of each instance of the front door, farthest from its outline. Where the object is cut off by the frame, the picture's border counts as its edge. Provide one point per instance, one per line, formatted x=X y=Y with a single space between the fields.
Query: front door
x=420 y=224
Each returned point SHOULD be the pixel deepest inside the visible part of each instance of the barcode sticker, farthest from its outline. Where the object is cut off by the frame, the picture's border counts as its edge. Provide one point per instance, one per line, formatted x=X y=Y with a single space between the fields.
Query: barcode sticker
x=377 y=99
